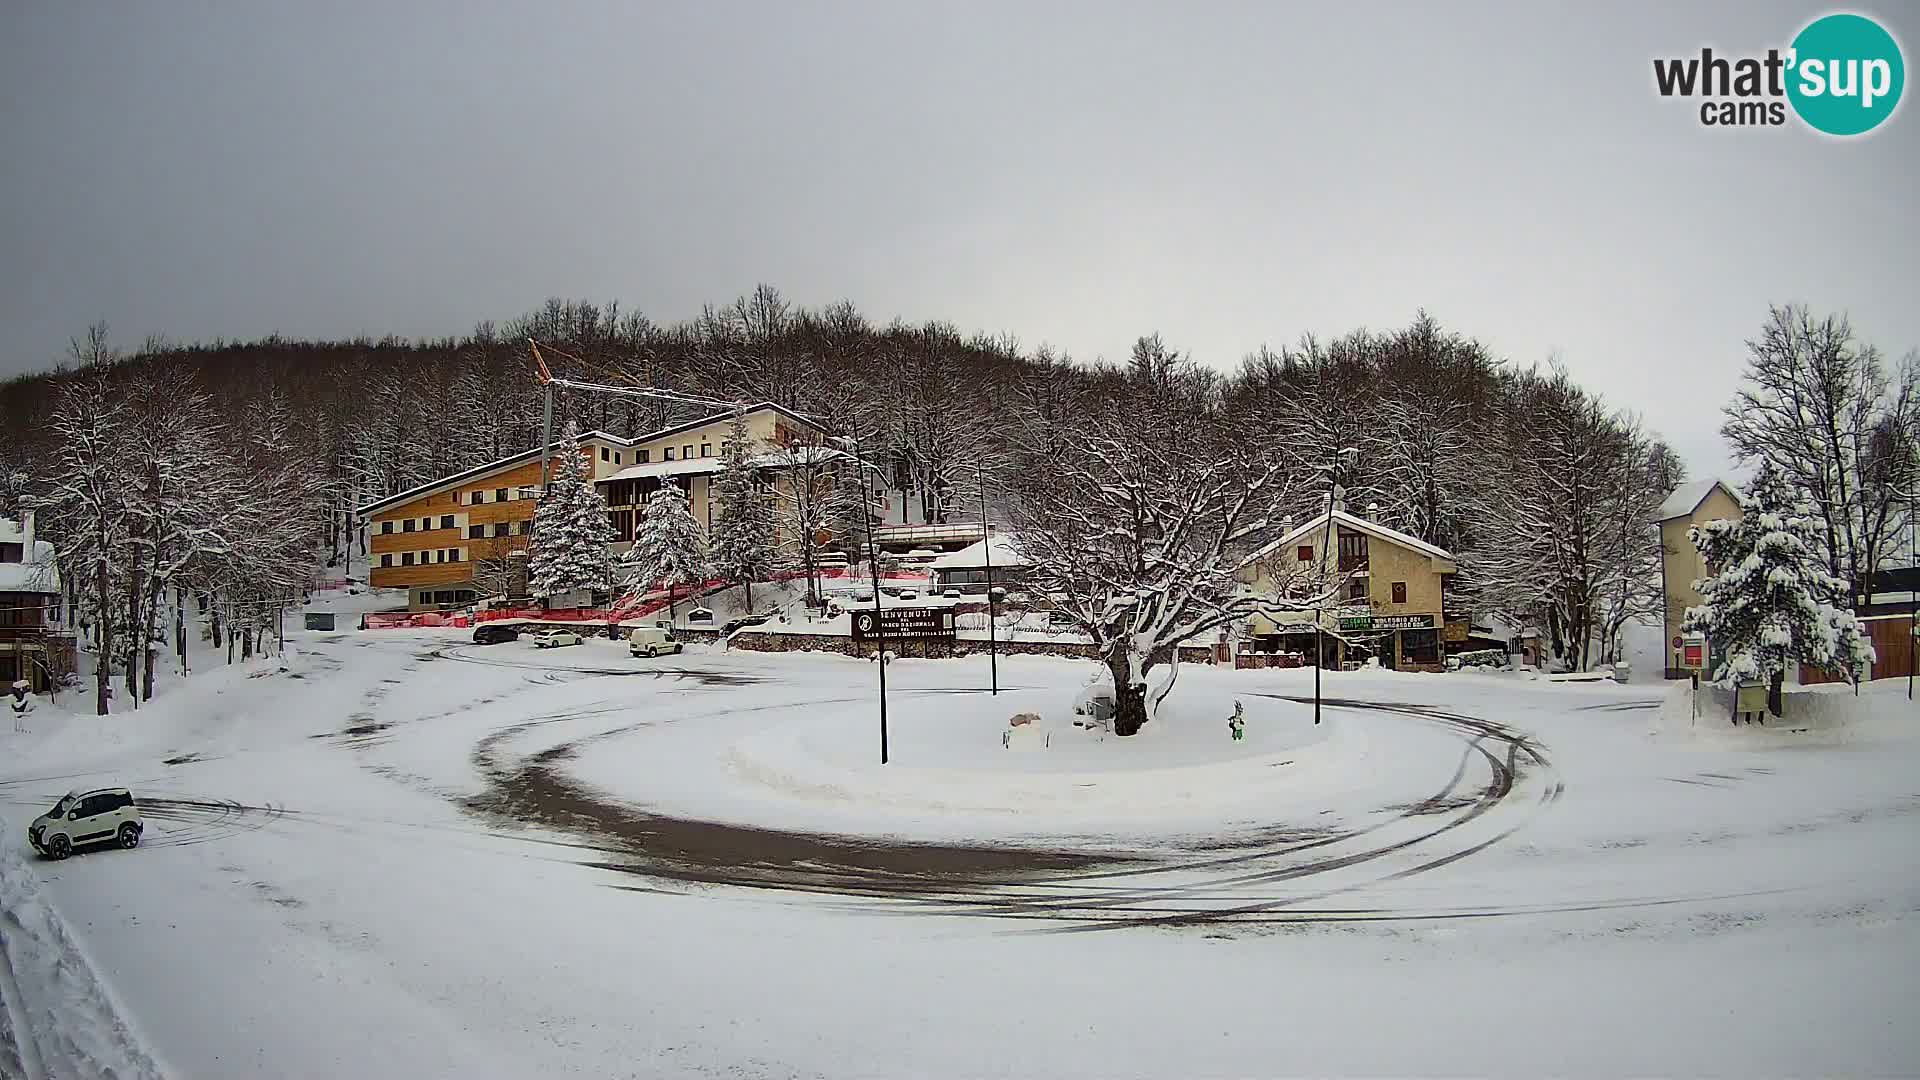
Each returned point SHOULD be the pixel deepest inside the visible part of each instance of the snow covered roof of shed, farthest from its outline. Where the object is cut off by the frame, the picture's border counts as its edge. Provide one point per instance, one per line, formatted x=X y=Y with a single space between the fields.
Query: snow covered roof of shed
x=1688 y=496
x=974 y=555
x=1358 y=524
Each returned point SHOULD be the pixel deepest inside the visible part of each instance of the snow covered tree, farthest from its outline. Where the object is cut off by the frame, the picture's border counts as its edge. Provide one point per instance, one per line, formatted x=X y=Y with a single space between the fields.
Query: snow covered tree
x=571 y=527
x=85 y=505
x=743 y=531
x=1141 y=522
x=670 y=547
x=1821 y=409
x=1770 y=599
x=818 y=504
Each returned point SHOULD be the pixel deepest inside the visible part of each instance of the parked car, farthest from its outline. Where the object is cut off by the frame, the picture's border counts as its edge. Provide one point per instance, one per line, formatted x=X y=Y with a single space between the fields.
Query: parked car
x=554 y=639
x=908 y=594
x=495 y=633
x=952 y=593
x=745 y=620
x=103 y=815
x=700 y=614
x=652 y=641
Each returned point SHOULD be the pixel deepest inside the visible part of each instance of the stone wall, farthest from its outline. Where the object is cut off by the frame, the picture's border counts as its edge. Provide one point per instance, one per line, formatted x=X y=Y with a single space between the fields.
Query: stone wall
x=933 y=648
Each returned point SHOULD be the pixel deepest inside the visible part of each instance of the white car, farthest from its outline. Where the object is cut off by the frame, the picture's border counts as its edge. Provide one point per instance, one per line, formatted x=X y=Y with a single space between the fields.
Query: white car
x=652 y=641
x=553 y=639
x=103 y=815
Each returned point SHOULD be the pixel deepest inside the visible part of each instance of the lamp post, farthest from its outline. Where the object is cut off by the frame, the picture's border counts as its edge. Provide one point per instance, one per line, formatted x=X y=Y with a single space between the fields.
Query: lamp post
x=873 y=566
x=1319 y=614
x=986 y=547
x=1913 y=598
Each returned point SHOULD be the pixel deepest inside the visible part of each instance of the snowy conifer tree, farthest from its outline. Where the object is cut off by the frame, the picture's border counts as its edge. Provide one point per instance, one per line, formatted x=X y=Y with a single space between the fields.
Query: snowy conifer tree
x=670 y=547
x=571 y=528
x=1771 y=599
x=743 y=529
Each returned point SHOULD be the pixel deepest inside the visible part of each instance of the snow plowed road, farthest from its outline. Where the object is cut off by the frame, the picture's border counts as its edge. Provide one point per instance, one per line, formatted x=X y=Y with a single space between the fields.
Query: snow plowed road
x=495 y=862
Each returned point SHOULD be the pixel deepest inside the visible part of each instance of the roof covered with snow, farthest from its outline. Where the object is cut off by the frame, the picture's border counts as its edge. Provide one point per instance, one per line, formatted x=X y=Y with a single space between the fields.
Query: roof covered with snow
x=974 y=555
x=1358 y=524
x=433 y=487
x=1688 y=496
x=37 y=574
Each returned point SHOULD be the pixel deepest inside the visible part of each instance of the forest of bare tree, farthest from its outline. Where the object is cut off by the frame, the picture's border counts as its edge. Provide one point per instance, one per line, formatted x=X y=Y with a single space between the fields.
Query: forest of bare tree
x=195 y=455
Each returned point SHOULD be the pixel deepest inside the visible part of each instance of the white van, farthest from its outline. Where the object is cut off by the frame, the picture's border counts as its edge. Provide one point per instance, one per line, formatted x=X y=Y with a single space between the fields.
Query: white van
x=652 y=641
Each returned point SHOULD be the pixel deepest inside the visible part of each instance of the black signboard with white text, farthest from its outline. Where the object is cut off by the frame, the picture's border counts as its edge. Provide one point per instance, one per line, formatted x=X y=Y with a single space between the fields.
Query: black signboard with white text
x=903 y=622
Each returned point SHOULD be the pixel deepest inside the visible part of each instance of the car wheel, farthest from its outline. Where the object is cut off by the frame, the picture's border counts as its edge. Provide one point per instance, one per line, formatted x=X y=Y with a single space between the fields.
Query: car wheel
x=652 y=652
x=129 y=835
x=59 y=848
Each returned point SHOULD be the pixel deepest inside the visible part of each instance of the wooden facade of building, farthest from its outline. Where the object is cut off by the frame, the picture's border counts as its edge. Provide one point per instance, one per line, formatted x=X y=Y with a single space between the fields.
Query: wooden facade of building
x=464 y=537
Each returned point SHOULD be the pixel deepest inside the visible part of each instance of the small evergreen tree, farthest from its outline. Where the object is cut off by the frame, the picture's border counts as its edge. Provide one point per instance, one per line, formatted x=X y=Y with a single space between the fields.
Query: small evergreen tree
x=1770 y=599
x=670 y=546
x=743 y=528
x=571 y=528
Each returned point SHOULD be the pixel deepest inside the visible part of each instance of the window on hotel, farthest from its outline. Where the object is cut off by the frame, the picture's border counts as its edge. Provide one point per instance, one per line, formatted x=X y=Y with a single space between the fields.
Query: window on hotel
x=616 y=457
x=407 y=525
x=499 y=528
x=1357 y=589
x=666 y=454
x=453 y=554
x=386 y=560
x=1353 y=551
x=386 y=526
x=406 y=558
x=475 y=532
x=686 y=452
x=499 y=494
x=13 y=552
x=478 y=498
x=426 y=523
x=1304 y=553
x=706 y=449
x=446 y=521
x=1399 y=592
x=640 y=457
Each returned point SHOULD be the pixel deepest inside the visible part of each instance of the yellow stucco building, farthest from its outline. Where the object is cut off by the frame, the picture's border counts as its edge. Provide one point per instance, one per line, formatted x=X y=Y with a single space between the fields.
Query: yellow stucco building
x=1392 y=593
x=1680 y=564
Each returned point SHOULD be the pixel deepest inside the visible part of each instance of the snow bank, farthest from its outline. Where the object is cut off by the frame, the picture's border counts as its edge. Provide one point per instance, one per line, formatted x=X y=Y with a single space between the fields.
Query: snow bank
x=1826 y=713
x=951 y=773
x=61 y=1019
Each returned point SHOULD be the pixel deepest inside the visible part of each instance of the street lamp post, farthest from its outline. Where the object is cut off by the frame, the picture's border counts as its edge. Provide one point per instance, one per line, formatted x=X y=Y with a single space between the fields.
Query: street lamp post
x=873 y=567
x=1319 y=614
x=986 y=546
x=1913 y=597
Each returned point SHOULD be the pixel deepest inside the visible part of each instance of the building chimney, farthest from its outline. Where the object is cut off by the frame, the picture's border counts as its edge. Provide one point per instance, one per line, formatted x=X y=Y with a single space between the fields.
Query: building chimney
x=1339 y=499
x=26 y=534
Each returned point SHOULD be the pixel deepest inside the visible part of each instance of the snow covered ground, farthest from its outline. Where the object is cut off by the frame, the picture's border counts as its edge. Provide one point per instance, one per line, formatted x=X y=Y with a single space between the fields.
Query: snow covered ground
x=407 y=855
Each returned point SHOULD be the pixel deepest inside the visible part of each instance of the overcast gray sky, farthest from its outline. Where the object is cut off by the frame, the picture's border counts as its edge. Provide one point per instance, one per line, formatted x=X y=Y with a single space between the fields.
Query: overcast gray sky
x=1076 y=174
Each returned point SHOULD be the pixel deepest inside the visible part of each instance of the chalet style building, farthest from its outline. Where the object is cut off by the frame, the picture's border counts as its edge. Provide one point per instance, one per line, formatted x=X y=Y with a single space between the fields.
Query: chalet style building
x=1392 y=604
x=463 y=537
x=32 y=644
